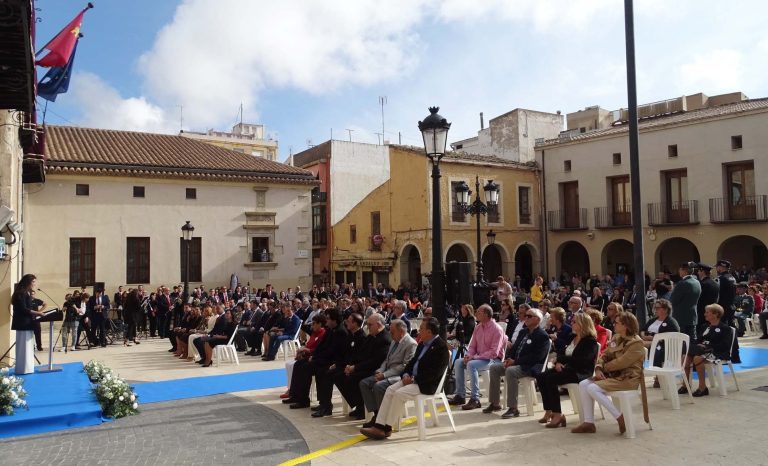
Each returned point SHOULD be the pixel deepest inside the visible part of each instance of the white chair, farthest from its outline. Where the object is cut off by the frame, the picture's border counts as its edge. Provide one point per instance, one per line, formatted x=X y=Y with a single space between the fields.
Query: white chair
x=715 y=373
x=624 y=398
x=431 y=400
x=503 y=326
x=751 y=327
x=528 y=386
x=292 y=345
x=573 y=392
x=675 y=344
x=226 y=352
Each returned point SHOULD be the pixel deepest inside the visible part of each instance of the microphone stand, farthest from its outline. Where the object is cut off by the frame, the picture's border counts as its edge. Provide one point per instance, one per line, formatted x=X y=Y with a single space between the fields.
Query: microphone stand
x=50 y=367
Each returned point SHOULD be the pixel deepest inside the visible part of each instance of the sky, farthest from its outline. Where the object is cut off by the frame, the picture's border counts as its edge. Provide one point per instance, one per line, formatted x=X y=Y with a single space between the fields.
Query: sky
x=311 y=69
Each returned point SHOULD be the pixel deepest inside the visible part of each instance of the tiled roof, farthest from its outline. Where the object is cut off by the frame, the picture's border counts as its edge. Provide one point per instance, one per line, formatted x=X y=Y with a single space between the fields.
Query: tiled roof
x=669 y=120
x=461 y=156
x=72 y=150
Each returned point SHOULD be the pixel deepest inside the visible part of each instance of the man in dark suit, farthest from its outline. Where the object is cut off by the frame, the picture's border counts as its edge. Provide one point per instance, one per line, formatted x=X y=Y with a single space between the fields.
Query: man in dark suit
x=163 y=310
x=97 y=308
x=710 y=291
x=362 y=363
x=269 y=293
x=286 y=330
x=727 y=284
x=684 y=299
x=330 y=349
x=422 y=375
x=525 y=358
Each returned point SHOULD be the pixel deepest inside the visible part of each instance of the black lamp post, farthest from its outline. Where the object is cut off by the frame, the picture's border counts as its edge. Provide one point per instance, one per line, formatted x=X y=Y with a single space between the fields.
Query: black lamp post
x=434 y=130
x=186 y=234
x=478 y=208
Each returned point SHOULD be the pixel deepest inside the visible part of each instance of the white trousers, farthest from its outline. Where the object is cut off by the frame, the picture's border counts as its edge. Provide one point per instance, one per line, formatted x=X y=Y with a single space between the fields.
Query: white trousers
x=393 y=404
x=191 y=348
x=289 y=371
x=589 y=392
x=25 y=352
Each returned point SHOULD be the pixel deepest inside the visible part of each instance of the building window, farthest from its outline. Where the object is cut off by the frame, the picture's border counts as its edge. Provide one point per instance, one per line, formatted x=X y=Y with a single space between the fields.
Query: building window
x=260 y=249
x=375 y=230
x=137 y=261
x=82 y=261
x=617 y=158
x=740 y=178
x=82 y=189
x=319 y=235
x=524 y=204
x=672 y=151
x=567 y=165
x=353 y=234
x=138 y=191
x=459 y=146
x=621 y=196
x=195 y=259
x=736 y=142
x=676 y=196
x=457 y=213
x=191 y=193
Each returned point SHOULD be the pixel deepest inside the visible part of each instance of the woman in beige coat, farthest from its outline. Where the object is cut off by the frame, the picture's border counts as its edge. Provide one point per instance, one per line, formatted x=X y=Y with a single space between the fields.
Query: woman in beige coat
x=619 y=368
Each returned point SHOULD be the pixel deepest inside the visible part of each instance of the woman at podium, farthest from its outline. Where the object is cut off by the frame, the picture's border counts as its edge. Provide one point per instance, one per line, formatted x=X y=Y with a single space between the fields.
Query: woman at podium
x=24 y=313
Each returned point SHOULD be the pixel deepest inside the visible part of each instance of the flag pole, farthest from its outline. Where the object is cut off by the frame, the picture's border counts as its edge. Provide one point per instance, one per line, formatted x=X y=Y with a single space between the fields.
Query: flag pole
x=39 y=51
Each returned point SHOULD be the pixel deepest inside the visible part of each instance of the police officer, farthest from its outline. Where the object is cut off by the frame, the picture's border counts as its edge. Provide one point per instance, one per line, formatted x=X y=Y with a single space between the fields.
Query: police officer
x=727 y=289
x=684 y=300
x=744 y=305
x=710 y=291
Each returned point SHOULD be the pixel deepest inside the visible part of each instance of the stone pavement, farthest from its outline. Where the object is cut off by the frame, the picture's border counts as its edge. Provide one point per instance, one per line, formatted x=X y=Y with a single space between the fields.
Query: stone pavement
x=222 y=429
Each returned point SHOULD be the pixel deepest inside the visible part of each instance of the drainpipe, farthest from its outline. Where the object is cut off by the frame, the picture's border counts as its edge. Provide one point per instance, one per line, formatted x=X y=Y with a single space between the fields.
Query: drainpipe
x=543 y=231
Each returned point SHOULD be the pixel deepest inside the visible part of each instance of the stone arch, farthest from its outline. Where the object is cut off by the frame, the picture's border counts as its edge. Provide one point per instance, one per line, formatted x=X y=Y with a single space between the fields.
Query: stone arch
x=572 y=257
x=674 y=251
x=458 y=251
x=524 y=258
x=617 y=254
x=744 y=249
x=410 y=265
x=493 y=262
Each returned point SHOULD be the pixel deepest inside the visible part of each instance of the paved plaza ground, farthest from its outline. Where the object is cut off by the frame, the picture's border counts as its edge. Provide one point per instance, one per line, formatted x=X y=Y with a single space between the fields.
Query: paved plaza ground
x=255 y=428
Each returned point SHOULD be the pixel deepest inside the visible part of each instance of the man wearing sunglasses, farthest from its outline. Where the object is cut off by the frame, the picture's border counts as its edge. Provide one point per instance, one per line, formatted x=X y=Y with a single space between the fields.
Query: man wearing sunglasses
x=526 y=357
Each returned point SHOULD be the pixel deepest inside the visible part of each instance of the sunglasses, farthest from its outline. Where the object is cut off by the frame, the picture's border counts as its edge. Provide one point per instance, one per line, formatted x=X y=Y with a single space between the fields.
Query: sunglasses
x=529 y=315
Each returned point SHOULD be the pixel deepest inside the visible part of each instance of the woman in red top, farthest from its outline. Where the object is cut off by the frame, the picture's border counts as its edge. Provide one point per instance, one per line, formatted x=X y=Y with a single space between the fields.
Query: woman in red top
x=758 y=299
x=318 y=332
x=602 y=332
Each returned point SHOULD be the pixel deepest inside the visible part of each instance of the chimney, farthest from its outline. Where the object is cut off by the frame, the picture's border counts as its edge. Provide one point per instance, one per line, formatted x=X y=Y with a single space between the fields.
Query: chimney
x=482 y=123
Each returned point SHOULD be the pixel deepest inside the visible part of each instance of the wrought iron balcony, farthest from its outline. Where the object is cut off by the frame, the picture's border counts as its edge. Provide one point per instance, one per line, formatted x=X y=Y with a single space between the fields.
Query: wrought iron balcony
x=319 y=237
x=564 y=220
x=609 y=217
x=746 y=210
x=318 y=197
x=674 y=213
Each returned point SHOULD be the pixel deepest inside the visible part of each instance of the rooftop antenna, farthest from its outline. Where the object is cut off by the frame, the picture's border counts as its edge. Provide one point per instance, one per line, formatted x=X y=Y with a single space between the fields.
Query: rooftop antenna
x=181 y=118
x=350 y=133
x=382 y=101
x=241 y=114
x=379 y=136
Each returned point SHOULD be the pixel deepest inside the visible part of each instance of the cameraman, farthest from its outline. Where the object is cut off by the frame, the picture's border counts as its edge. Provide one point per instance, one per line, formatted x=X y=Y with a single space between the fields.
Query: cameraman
x=464 y=325
x=70 y=323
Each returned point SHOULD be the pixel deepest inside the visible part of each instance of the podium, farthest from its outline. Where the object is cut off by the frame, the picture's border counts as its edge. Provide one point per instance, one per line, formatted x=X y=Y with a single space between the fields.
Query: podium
x=51 y=316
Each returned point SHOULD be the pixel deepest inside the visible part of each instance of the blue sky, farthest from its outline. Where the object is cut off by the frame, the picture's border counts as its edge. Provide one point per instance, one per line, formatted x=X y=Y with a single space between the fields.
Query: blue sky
x=303 y=68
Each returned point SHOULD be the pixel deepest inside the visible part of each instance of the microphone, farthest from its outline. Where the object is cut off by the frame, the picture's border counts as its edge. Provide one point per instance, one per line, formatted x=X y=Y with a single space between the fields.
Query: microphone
x=49 y=297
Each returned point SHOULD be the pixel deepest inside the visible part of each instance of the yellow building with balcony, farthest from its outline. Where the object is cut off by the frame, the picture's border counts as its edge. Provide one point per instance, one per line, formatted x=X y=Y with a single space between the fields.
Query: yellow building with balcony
x=386 y=238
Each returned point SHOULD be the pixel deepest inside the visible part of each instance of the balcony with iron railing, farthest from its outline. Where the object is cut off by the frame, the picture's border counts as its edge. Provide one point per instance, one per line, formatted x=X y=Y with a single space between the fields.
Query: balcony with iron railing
x=319 y=197
x=319 y=237
x=748 y=209
x=611 y=217
x=673 y=213
x=566 y=220
x=261 y=256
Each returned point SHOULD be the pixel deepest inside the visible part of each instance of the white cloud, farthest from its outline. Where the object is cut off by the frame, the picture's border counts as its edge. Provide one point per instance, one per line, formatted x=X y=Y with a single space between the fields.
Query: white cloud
x=543 y=15
x=103 y=107
x=719 y=70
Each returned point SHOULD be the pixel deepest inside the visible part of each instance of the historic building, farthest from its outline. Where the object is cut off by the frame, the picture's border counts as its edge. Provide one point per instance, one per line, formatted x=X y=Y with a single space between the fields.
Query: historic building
x=115 y=202
x=702 y=160
x=246 y=138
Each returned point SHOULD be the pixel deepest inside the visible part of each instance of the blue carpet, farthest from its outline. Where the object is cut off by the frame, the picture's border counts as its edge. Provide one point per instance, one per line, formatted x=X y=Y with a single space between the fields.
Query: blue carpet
x=57 y=400
x=193 y=387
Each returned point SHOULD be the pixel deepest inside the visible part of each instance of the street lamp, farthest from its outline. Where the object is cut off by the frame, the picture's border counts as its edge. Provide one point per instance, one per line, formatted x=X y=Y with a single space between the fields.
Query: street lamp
x=186 y=233
x=434 y=130
x=478 y=208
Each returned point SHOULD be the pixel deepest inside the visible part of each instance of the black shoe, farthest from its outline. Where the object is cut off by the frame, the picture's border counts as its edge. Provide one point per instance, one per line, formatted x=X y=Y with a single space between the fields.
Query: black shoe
x=764 y=337
x=316 y=407
x=511 y=412
x=172 y=350
x=371 y=423
x=491 y=408
x=251 y=353
x=700 y=392
x=682 y=390
x=288 y=401
x=457 y=401
x=324 y=411
x=299 y=405
x=358 y=414
x=268 y=358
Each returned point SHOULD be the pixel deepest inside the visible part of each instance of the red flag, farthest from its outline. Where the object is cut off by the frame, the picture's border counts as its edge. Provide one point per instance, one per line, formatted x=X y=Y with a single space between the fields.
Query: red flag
x=60 y=47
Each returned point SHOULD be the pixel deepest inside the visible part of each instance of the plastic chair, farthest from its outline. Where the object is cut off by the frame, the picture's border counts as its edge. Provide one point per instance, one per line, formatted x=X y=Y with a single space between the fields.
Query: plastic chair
x=573 y=392
x=528 y=386
x=293 y=345
x=625 y=406
x=751 y=327
x=228 y=351
x=715 y=371
x=675 y=344
x=431 y=400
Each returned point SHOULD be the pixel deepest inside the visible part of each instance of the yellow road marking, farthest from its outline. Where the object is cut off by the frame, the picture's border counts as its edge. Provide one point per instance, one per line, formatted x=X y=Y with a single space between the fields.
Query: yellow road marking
x=346 y=443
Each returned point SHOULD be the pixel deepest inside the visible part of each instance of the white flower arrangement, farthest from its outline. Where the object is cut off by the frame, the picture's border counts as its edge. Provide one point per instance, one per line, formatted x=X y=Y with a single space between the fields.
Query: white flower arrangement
x=116 y=397
x=12 y=392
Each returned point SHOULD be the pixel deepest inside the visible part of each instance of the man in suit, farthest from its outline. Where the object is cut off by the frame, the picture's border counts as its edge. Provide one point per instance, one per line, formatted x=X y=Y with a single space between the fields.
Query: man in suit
x=398 y=312
x=269 y=293
x=400 y=351
x=727 y=290
x=422 y=374
x=745 y=307
x=684 y=299
x=97 y=308
x=327 y=352
x=250 y=332
x=324 y=380
x=362 y=363
x=285 y=331
x=710 y=291
x=630 y=303
x=163 y=311
x=525 y=358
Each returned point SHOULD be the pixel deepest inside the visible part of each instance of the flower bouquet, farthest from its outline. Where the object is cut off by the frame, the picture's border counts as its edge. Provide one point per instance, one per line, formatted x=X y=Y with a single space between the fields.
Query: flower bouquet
x=12 y=393
x=116 y=397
